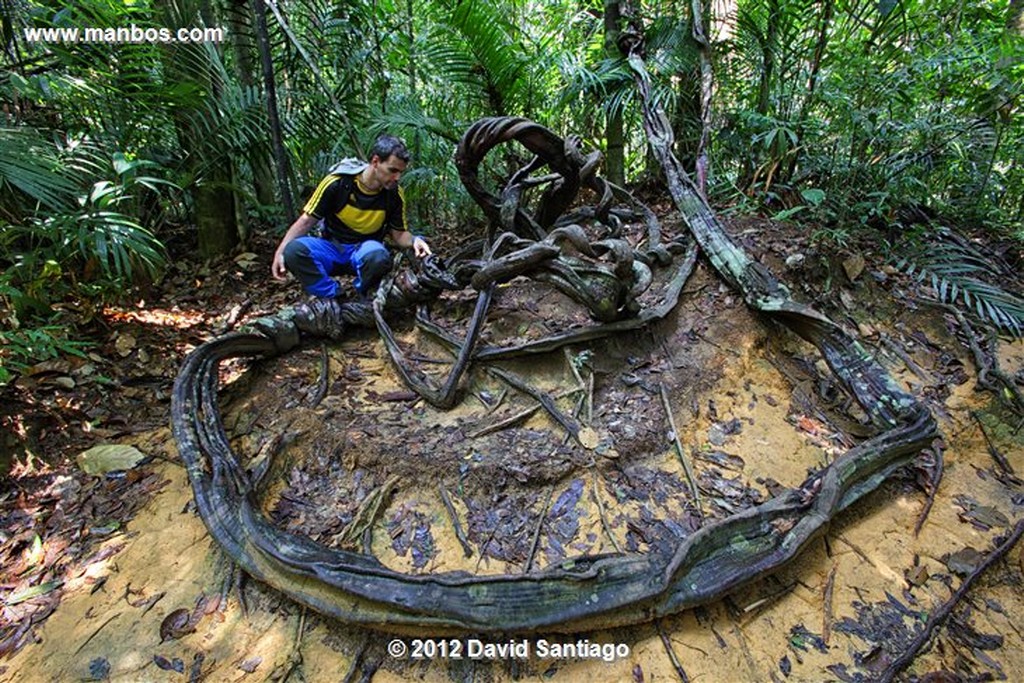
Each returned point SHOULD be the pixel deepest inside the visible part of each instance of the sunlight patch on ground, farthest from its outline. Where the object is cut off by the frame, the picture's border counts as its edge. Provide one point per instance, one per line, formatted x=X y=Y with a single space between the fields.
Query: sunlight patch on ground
x=154 y=316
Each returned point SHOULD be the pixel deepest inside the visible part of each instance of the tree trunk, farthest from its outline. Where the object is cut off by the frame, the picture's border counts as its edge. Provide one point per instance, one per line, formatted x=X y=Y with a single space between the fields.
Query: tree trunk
x=212 y=176
x=243 y=37
x=228 y=174
x=416 y=208
x=768 y=40
x=812 y=83
x=280 y=156
x=615 y=159
x=215 y=212
x=699 y=31
x=768 y=49
x=1015 y=18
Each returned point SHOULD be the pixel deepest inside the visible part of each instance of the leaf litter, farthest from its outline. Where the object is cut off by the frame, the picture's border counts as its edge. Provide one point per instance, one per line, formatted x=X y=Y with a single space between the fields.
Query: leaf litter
x=501 y=482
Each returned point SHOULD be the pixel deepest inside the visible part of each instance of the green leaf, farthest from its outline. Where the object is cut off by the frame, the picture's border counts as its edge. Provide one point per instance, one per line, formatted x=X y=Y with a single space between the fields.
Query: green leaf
x=813 y=196
x=33 y=592
x=786 y=213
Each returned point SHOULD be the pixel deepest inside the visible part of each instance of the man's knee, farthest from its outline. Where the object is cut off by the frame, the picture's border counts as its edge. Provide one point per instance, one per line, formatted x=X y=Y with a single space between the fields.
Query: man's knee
x=296 y=255
x=375 y=265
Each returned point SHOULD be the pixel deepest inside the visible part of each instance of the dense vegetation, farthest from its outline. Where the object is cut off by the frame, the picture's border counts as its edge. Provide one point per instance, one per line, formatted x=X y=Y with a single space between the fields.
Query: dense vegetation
x=896 y=116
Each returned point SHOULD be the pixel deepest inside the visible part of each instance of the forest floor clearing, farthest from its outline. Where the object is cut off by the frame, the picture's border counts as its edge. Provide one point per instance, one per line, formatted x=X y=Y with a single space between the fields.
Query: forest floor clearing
x=113 y=576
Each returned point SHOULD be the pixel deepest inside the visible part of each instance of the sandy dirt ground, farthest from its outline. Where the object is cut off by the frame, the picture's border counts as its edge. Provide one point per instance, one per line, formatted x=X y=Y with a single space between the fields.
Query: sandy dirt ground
x=836 y=613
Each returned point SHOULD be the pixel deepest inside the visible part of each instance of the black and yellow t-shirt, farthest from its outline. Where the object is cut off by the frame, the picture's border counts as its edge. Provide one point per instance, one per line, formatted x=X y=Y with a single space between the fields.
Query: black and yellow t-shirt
x=360 y=216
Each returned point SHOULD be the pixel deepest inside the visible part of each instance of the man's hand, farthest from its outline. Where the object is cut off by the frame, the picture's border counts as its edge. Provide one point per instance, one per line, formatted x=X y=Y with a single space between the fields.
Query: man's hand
x=300 y=227
x=277 y=268
x=420 y=247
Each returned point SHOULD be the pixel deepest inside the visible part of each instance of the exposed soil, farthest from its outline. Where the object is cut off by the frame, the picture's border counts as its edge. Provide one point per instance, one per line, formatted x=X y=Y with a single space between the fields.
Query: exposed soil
x=131 y=587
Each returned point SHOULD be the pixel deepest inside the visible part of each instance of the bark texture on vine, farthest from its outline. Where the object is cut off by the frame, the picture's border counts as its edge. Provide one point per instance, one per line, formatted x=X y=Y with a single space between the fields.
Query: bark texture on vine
x=606 y=276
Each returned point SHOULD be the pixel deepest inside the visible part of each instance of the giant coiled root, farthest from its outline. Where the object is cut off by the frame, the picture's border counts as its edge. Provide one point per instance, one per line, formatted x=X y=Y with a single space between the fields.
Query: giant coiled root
x=607 y=276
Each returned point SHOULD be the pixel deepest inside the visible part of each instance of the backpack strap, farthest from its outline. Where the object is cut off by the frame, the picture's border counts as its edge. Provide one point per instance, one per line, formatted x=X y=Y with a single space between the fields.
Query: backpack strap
x=346 y=170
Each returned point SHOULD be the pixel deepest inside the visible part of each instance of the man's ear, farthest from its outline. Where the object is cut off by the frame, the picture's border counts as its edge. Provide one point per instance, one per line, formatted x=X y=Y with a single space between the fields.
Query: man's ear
x=375 y=160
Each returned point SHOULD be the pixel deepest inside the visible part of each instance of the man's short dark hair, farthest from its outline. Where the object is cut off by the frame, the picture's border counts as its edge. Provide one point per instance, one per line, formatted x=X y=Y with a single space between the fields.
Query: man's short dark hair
x=388 y=145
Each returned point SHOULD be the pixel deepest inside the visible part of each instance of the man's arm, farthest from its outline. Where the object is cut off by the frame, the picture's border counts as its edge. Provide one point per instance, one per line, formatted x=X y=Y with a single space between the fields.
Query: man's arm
x=302 y=225
x=406 y=239
x=399 y=228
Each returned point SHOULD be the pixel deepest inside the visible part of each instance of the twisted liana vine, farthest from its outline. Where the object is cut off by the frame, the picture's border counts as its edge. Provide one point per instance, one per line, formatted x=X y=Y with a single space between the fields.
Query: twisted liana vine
x=608 y=277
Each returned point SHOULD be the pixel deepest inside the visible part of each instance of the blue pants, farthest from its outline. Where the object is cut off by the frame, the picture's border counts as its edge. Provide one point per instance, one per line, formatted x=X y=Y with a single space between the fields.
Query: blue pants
x=313 y=260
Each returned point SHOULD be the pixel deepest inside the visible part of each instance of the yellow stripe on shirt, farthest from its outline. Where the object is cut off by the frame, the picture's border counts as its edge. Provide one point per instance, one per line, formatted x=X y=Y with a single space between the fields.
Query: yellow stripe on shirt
x=310 y=206
x=363 y=221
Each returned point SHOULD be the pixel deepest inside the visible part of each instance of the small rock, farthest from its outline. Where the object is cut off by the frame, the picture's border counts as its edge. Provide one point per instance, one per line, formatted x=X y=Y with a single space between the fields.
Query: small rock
x=854 y=266
x=866 y=329
x=589 y=438
x=716 y=436
x=916 y=576
x=124 y=345
x=794 y=261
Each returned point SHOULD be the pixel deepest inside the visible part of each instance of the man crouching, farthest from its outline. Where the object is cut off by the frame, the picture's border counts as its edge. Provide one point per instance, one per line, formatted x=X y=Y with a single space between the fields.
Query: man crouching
x=359 y=203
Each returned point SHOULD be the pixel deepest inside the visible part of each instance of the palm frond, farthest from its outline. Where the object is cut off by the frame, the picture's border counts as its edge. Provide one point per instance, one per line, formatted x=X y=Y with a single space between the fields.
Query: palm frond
x=406 y=118
x=484 y=32
x=961 y=275
x=30 y=167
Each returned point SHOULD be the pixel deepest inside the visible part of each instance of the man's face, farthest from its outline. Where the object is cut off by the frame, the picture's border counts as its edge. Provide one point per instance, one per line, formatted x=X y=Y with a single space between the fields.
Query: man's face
x=387 y=172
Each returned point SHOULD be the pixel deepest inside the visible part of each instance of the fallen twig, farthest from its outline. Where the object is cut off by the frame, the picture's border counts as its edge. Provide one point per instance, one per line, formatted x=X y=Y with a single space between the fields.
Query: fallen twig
x=933 y=487
x=988 y=364
x=357 y=660
x=921 y=373
x=672 y=653
x=939 y=616
x=573 y=368
x=498 y=401
x=453 y=516
x=325 y=371
x=483 y=548
x=590 y=397
x=545 y=399
x=827 y=614
x=515 y=418
x=754 y=669
x=536 y=533
x=96 y=631
x=367 y=514
x=604 y=519
x=1000 y=459
x=509 y=421
x=694 y=491
x=294 y=660
x=856 y=549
